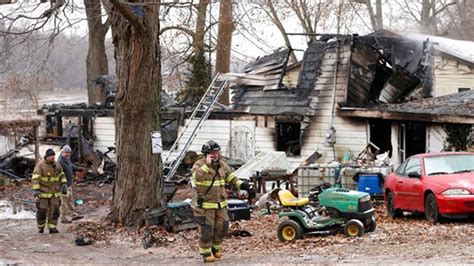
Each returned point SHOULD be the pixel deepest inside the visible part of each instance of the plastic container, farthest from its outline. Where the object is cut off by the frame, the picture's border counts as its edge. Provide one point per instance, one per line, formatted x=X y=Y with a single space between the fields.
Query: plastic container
x=369 y=183
x=238 y=210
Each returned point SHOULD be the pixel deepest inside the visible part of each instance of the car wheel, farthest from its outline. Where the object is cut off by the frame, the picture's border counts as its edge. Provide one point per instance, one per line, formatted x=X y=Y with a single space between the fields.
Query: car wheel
x=371 y=226
x=354 y=228
x=289 y=230
x=391 y=211
x=431 y=209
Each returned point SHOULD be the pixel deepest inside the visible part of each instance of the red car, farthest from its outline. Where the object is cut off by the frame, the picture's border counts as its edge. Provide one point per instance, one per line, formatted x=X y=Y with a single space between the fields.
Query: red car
x=437 y=184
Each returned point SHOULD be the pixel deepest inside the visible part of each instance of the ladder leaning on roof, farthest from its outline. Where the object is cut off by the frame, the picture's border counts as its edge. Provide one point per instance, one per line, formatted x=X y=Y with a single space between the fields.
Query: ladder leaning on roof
x=200 y=114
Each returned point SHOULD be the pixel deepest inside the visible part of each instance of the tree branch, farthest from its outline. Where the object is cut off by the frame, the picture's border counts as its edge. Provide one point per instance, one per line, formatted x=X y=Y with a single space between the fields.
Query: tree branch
x=180 y=28
x=441 y=9
x=128 y=15
x=57 y=5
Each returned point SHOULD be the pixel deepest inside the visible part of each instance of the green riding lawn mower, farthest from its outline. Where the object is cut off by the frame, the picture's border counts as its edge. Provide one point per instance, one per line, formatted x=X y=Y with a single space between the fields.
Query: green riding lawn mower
x=328 y=210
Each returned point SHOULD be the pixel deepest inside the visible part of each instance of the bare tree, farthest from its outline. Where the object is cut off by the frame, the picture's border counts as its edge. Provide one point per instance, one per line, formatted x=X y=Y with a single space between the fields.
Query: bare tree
x=269 y=8
x=426 y=13
x=96 y=60
x=224 y=43
x=308 y=13
x=375 y=14
x=135 y=29
x=462 y=20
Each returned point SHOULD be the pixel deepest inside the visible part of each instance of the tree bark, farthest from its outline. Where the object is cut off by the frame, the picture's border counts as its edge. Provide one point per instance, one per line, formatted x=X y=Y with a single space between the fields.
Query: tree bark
x=224 y=43
x=137 y=53
x=379 y=14
x=198 y=38
x=96 y=62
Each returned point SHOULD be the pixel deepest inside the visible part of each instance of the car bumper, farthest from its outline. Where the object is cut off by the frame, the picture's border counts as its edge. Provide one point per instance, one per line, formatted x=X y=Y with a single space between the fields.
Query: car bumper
x=452 y=205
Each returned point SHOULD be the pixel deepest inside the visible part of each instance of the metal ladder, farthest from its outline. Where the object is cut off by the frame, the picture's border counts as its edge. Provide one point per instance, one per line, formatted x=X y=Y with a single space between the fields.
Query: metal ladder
x=204 y=108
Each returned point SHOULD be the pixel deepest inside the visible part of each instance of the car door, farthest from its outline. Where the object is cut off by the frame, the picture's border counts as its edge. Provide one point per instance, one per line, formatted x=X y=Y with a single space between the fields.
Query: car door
x=410 y=187
x=396 y=185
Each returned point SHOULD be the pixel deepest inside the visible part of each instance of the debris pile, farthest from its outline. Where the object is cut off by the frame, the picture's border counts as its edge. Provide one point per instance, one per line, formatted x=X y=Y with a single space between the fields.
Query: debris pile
x=14 y=166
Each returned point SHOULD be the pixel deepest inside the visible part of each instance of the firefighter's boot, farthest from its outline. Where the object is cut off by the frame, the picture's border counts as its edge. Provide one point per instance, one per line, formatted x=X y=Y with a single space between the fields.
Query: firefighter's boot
x=209 y=258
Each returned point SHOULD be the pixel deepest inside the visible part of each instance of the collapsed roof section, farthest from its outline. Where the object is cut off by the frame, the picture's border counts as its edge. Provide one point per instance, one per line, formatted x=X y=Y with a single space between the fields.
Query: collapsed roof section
x=455 y=108
x=383 y=69
x=388 y=69
x=259 y=89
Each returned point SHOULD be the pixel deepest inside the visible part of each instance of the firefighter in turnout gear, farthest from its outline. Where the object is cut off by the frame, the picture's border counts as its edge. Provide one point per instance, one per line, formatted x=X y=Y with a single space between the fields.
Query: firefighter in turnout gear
x=49 y=182
x=209 y=176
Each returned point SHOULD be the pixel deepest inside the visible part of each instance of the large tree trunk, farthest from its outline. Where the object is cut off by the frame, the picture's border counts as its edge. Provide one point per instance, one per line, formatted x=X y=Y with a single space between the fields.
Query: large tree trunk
x=137 y=114
x=379 y=14
x=198 y=40
x=96 y=62
x=224 y=43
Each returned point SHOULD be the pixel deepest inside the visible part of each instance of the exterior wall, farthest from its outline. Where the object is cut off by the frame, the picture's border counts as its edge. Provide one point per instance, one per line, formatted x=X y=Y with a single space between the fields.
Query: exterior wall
x=217 y=130
x=435 y=138
x=220 y=131
x=351 y=134
x=396 y=160
x=104 y=134
x=291 y=77
x=450 y=75
x=7 y=143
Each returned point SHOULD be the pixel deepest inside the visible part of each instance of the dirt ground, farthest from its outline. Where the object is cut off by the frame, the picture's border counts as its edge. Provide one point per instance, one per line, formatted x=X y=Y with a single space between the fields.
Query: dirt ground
x=406 y=240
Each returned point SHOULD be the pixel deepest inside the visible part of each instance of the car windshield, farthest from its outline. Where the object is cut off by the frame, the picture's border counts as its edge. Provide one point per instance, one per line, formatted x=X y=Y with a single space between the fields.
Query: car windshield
x=449 y=164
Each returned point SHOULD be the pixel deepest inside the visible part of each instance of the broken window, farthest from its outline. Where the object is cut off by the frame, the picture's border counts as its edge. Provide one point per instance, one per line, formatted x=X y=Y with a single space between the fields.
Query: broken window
x=288 y=138
x=414 y=138
x=380 y=135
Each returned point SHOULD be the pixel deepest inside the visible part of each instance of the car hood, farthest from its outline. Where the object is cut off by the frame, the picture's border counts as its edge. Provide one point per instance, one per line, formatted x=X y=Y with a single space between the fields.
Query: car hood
x=464 y=180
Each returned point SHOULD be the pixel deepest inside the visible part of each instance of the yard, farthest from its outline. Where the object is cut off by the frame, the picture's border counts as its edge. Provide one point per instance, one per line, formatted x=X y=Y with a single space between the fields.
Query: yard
x=407 y=240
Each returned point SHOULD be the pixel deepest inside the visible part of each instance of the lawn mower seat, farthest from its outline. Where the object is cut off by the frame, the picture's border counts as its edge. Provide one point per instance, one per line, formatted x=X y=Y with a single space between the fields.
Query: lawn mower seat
x=288 y=200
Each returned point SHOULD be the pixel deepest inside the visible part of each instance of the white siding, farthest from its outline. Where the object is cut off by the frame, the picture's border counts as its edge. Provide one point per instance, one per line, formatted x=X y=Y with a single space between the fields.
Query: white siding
x=451 y=75
x=104 y=134
x=7 y=143
x=436 y=138
x=219 y=131
x=351 y=134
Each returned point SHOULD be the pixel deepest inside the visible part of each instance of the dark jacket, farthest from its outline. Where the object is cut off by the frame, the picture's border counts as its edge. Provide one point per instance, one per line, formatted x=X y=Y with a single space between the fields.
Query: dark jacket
x=69 y=168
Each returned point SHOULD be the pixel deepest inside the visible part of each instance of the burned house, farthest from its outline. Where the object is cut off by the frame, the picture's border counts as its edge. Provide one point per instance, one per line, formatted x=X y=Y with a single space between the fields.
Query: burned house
x=348 y=93
x=93 y=126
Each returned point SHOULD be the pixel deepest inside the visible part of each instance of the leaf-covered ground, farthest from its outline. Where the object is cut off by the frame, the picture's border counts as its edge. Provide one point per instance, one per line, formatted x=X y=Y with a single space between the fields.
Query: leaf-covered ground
x=410 y=239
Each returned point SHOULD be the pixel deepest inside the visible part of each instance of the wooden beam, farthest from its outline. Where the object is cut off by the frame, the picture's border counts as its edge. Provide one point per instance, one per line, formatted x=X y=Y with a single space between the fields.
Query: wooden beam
x=389 y=115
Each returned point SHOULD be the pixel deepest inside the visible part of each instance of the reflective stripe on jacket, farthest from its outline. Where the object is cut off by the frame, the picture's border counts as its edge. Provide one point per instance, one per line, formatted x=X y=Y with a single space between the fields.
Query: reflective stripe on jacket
x=47 y=179
x=202 y=179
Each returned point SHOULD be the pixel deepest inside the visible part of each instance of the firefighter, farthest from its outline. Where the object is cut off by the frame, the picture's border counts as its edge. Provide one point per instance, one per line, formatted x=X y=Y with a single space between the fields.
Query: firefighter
x=49 y=182
x=209 y=176
x=67 y=200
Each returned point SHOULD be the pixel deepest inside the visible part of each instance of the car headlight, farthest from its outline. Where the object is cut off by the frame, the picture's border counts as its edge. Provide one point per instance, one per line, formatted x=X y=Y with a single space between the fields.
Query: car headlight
x=365 y=198
x=455 y=191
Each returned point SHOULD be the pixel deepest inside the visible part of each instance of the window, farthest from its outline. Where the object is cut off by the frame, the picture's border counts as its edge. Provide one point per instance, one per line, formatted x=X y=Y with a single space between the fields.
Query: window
x=288 y=138
x=401 y=169
x=413 y=165
x=463 y=89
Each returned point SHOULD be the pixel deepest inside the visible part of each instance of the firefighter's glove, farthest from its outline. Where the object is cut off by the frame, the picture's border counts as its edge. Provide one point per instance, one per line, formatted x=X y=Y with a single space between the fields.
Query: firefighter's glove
x=246 y=186
x=199 y=201
x=36 y=194
x=64 y=189
x=249 y=188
